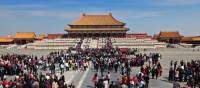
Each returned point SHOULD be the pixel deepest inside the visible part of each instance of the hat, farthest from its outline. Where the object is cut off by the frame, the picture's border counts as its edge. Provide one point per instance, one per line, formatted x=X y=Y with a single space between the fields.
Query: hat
x=47 y=77
x=17 y=77
x=5 y=77
x=182 y=67
x=132 y=82
x=142 y=82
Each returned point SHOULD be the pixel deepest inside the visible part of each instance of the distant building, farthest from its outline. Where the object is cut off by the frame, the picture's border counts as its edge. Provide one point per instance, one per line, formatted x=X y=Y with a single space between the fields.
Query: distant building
x=97 y=26
x=155 y=36
x=41 y=37
x=195 y=40
x=54 y=36
x=6 y=40
x=24 y=37
x=169 y=37
x=138 y=35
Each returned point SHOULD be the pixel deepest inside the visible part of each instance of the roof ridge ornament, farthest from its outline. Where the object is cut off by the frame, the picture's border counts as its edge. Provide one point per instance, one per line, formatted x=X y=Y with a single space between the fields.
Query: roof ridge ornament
x=110 y=14
x=83 y=14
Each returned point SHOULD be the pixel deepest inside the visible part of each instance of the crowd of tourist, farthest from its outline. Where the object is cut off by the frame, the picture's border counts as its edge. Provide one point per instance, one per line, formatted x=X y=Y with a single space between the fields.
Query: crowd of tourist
x=123 y=65
x=188 y=72
x=31 y=71
x=121 y=61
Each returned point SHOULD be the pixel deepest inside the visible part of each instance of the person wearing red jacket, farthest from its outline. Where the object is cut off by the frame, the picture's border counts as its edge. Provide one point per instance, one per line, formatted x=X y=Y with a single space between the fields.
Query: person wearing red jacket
x=6 y=83
x=95 y=79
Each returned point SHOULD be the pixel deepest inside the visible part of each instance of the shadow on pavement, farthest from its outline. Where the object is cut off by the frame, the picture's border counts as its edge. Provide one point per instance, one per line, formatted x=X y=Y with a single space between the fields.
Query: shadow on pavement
x=88 y=86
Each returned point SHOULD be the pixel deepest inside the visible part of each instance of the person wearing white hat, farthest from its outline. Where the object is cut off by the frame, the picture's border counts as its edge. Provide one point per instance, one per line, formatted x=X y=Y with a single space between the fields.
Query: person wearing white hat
x=132 y=84
x=47 y=77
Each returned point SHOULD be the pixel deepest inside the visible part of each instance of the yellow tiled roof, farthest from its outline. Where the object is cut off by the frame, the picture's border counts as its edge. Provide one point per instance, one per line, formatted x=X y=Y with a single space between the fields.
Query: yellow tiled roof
x=29 y=35
x=196 y=38
x=169 y=34
x=97 y=20
x=6 y=39
x=96 y=29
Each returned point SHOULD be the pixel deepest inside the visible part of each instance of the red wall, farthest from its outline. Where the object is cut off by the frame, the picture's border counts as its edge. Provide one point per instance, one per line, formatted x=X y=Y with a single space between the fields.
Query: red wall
x=54 y=36
x=139 y=35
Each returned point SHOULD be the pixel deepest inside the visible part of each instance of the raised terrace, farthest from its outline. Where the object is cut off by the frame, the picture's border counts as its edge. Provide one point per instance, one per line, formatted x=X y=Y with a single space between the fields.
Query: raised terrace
x=54 y=43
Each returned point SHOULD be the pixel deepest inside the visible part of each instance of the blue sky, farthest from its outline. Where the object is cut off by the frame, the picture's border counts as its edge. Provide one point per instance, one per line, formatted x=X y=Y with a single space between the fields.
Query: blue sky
x=51 y=16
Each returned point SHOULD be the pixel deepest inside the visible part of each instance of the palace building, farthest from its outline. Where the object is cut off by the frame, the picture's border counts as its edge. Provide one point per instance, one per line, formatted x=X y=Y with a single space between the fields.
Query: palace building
x=195 y=40
x=5 y=40
x=169 y=37
x=96 y=26
x=24 y=37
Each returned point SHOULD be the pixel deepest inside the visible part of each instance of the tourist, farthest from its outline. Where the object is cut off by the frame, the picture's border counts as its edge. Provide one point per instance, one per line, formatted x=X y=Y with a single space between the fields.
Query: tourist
x=108 y=77
x=146 y=79
x=106 y=83
x=187 y=71
x=176 y=84
x=112 y=85
x=95 y=79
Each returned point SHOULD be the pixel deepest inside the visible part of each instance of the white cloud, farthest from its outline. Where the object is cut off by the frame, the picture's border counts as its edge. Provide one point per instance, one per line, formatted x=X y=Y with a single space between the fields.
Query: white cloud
x=138 y=14
x=24 y=6
x=166 y=28
x=53 y=13
x=74 y=14
x=37 y=13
